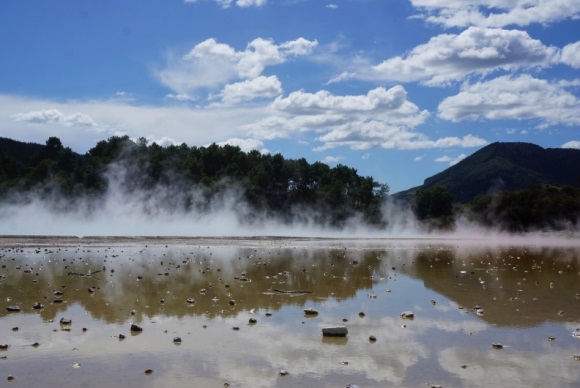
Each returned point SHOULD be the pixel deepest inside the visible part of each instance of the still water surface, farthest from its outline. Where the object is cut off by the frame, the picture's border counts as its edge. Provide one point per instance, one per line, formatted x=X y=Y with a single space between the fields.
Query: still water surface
x=206 y=291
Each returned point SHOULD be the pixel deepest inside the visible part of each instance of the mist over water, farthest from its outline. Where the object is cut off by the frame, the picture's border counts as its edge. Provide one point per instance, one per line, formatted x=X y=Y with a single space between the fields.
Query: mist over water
x=185 y=210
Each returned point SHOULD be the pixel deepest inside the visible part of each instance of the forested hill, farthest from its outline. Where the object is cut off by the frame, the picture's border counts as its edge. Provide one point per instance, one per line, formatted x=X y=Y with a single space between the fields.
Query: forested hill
x=505 y=167
x=189 y=179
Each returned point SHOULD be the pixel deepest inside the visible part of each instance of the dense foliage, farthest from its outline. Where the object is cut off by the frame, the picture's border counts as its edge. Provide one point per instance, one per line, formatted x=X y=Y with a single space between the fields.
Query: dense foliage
x=189 y=178
x=545 y=207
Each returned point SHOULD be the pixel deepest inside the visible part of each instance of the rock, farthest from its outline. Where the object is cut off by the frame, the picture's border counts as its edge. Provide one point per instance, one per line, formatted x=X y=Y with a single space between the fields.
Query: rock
x=335 y=331
x=121 y=337
x=35 y=345
x=310 y=311
x=38 y=306
x=148 y=371
x=372 y=338
x=283 y=372
x=497 y=346
x=92 y=289
x=478 y=310
x=4 y=346
x=177 y=340
x=134 y=327
x=232 y=302
x=190 y=301
x=361 y=314
x=13 y=309
x=65 y=321
x=407 y=315
x=253 y=321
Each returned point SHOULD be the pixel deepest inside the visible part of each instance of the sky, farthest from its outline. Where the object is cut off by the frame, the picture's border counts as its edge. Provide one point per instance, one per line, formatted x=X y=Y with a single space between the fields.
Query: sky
x=397 y=89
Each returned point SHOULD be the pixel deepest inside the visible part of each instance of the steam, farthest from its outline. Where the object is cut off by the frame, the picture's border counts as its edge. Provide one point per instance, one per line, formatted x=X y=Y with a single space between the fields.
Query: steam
x=178 y=209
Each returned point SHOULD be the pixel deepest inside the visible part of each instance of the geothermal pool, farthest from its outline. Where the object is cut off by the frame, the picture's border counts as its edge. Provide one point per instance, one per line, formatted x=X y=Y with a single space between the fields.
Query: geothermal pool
x=484 y=313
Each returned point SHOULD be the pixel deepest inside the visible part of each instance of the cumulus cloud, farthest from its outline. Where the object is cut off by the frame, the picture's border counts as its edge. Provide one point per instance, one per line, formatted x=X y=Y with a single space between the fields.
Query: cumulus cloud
x=513 y=97
x=495 y=13
x=476 y=51
x=332 y=159
x=55 y=116
x=211 y=64
x=250 y=89
x=571 y=55
x=382 y=118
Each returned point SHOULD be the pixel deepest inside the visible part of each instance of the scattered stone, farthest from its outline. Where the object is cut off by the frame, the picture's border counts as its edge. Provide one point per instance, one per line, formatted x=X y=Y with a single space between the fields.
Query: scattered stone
x=121 y=337
x=38 y=306
x=4 y=346
x=551 y=339
x=92 y=289
x=134 y=327
x=57 y=301
x=190 y=301
x=372 y=338
x=35 y=345
x=497 y=346
x=478 y=310
x=433 y=302
x=177 y=340
x=283 y=372
x=235 y=328
x=148 y=371
x=15 y=328
x=10 y=378
x=335 y=331
x=361 y=314
x=253 y=321
x=407 y=315
x=310 y=311
x=13 y=309
x=232 y=302
x=65 y=321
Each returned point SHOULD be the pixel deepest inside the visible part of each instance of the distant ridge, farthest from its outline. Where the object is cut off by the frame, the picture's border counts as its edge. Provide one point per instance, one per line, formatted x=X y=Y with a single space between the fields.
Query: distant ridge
x=505 y=167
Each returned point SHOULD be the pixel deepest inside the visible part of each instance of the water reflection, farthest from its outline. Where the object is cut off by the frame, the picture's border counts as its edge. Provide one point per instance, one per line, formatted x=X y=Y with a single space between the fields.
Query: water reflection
x=207 y=293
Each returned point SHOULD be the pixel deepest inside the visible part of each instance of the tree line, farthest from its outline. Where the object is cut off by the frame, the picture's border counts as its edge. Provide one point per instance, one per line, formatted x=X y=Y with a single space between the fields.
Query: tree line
x=269 y=184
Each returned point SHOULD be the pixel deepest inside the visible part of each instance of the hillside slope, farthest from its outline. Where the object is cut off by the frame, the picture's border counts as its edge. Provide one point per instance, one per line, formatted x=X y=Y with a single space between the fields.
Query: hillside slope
x=505 y=167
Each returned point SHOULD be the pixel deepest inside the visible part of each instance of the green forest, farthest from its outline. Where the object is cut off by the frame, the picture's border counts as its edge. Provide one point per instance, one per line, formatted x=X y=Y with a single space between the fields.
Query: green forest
x=194 y=178
x=180 y=179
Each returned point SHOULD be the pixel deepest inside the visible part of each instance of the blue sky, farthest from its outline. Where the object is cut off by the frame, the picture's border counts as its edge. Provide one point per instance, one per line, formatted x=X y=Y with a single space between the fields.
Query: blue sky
x=398 y=89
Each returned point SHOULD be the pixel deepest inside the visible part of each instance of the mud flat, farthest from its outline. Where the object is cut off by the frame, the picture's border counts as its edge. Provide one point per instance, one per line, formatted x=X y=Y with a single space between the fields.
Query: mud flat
x=179 y=311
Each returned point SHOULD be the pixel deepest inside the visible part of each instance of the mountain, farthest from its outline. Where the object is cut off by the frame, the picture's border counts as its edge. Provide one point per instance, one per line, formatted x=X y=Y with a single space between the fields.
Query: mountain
x=504 y=167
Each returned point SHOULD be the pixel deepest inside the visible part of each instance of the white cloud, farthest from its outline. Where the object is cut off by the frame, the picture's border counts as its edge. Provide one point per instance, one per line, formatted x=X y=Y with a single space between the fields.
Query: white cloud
x=239 y=3
x=450 y=160
x=250 y=89
x=571 y=55
x=519 y=98
x=55 y=116
x=332 y=159
x=210 y=64
x=572 y=144
x=496 y=13
x=383 y=118
x=476 y=51
x=245 y=145
x=332 y=6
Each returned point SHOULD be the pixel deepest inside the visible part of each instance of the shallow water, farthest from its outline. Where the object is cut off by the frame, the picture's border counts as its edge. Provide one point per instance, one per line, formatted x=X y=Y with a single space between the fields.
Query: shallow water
x=530 y=296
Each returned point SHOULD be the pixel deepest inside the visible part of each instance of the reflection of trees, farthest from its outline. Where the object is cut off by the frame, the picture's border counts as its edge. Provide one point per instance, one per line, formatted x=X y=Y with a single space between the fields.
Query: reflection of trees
x=516 y=286
x=159 y=281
